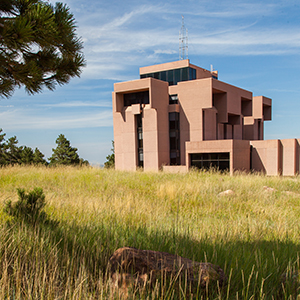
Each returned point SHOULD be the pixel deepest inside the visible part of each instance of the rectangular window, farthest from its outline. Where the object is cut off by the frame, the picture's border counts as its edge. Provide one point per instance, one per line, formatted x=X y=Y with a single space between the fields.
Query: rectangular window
x=219 y=161
x=140 y=146
x=174 y=138
x=177 y=76
x=163 y=76
x=192 y=74
x=185 y=74
x=170 y=77
x=173 y=76
x=173 y=99
x=136 y=98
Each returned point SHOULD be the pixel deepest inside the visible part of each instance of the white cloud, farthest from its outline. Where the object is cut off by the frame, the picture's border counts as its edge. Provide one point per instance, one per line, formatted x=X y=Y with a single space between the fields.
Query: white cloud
x=28 y=119
x=113 y=46
x=77 y=104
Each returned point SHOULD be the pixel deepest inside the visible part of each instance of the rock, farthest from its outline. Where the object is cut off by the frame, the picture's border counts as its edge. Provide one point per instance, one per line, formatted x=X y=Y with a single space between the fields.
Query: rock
x=130 y=266
x=290 y=281
x=226 y=193
x=269 y=189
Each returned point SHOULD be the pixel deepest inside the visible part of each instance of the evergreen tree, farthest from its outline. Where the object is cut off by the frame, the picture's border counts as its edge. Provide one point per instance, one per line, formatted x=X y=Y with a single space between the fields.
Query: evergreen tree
x=2 y=149
x=38 y=157
x=83 y=162
x=64 y=154
x=10 y=153
x=38 y=46
x=26 y=155
x=110 y=163
x=13 y=152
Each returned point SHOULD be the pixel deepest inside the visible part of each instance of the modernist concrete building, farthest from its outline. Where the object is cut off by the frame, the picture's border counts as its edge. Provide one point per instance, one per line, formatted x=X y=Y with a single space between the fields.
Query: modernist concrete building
x=178 y=116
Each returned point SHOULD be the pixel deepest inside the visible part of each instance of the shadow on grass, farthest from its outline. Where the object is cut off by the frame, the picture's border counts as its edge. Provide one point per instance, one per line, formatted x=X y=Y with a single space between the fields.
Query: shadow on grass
x=255 y=269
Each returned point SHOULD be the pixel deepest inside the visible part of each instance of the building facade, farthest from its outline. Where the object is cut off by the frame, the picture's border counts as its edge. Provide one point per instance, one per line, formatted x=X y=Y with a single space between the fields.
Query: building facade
x=178 y=116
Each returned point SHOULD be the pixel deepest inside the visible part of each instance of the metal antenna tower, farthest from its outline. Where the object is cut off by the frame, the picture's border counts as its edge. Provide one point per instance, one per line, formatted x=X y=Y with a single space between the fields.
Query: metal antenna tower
x=183 y=41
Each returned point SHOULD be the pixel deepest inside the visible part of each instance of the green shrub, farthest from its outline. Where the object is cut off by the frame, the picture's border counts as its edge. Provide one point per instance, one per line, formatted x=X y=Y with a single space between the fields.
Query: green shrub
x=29 y=207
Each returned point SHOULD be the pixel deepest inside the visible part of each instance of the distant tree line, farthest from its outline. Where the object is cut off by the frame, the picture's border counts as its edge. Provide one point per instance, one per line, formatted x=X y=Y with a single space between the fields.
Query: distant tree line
x=63 y=154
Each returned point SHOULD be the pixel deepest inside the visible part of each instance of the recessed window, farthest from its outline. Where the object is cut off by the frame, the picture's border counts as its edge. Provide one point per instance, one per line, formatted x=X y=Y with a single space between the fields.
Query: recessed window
x=173 y=99
x=140 y=146
x=136 y=98
x=219 y=161
x=173 y=76
x=174 y=138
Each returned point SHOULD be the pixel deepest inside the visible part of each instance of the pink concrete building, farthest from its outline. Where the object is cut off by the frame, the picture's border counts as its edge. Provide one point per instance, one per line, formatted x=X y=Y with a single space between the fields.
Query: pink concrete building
x=178 y=116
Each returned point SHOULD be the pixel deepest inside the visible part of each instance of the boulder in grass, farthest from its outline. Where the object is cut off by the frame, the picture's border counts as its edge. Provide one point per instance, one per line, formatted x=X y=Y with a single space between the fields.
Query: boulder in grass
x=269 y=189
x=290 y=283
x=130 y=266
x=226 y=193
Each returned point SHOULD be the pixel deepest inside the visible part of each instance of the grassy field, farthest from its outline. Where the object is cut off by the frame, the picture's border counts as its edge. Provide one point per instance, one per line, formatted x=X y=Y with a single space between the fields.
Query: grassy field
x=253 y=234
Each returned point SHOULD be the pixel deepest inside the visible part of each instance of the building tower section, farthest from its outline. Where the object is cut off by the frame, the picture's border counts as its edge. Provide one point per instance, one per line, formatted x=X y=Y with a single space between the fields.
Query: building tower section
x=178 y=116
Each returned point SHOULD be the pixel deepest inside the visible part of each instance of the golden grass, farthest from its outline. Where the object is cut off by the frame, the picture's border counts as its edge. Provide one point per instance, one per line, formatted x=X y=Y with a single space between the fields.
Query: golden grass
x=254 y=234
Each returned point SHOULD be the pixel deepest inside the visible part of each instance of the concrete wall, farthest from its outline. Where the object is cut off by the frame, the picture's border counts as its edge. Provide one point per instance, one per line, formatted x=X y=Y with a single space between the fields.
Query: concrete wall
x=194 y=96
x=156 y=128
x=239 y=152
x=125 y=140
x=290 y=156
x=241 y=155
x=267 y=156
x=276 y=157
x=155 y=119
x=210 y=111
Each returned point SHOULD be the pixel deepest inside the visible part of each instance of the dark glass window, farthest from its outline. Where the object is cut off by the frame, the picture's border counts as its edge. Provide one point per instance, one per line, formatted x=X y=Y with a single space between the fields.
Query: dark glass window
x=220 y=161
x=177 y=76
x=163 y=76
x=140 y=147
x=170 y=77
x=136 y=98
x=173 y=121
x=185 y=74
x=174 y=116
x=173 y=76
x=192 y=74
x=156 y=75
x=173 y=99
x=174 y=138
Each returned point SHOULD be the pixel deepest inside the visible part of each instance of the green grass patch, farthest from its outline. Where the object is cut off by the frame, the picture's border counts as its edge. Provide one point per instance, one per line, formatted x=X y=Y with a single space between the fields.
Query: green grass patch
x=253 y=234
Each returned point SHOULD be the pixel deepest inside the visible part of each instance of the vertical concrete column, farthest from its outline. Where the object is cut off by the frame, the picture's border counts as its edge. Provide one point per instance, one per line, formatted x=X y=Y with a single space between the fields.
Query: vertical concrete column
x=267 y=156
x=289 y=157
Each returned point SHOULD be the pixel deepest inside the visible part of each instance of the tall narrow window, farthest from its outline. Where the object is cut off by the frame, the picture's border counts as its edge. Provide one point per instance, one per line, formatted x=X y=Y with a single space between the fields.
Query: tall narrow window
x=140 y=147
x=174 y=138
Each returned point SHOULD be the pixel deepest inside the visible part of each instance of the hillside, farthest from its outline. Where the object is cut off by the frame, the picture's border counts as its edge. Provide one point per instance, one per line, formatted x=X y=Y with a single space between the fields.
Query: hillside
x=253 y=234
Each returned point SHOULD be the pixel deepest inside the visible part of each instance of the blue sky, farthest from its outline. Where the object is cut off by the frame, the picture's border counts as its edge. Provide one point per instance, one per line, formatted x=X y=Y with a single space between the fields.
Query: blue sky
x=254 y=45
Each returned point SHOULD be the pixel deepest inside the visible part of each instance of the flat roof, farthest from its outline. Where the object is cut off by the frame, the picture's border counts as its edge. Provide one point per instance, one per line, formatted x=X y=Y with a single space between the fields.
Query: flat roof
x=165 y=67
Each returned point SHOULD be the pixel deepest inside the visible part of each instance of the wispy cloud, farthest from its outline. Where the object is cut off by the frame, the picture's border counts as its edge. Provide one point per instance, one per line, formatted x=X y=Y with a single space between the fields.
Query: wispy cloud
x=77 y=104
x=143 y=34
x=27 y=119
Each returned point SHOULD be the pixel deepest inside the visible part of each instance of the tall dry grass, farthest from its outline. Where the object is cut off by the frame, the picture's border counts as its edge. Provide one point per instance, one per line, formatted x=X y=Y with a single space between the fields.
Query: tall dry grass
x=252 y=234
